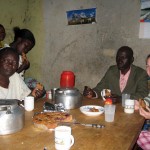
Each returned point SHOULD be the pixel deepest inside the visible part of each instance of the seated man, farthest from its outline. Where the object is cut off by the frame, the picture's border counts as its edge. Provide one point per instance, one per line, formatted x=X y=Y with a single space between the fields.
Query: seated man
x=122 y=78
x=11 y=85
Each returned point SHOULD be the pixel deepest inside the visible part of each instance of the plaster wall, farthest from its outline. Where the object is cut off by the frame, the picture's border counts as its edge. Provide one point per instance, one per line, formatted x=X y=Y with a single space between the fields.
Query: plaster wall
x=13 y=13
x=88 y=50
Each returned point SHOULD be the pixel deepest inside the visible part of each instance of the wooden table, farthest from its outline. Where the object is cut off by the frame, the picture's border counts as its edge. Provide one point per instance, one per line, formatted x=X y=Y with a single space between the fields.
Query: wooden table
x=118 y=135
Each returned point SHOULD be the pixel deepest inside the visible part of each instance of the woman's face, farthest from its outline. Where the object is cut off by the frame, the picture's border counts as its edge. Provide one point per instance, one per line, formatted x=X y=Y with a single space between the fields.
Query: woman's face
x=9 y=64
x=148 y=66
x=24 y=46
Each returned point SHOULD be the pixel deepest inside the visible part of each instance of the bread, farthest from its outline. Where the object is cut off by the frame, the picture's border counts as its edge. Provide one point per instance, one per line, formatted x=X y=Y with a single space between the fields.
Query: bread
x=142 y=103
x=50 y=120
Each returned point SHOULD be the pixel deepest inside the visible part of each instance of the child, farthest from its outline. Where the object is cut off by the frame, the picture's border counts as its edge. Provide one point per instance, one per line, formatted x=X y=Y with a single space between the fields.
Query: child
x=23 y=42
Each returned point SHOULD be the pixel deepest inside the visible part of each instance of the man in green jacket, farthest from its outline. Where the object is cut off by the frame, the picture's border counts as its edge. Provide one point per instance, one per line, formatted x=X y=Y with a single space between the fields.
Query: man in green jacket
x=122 y=78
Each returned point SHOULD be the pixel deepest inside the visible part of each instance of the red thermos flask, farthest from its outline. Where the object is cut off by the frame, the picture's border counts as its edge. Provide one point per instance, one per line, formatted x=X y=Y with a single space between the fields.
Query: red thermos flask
x=67 y=79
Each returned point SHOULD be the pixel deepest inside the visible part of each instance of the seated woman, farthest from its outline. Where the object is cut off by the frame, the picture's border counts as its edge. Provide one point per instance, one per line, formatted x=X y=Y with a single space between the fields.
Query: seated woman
x=144 y=137
x=11 y=85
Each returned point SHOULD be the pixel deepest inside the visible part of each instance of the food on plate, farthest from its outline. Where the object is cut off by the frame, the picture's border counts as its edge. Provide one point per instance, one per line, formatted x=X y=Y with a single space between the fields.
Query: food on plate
x=93 y=109
x=24 y=57
x=142 y=103
x=108 y=101
x=50 y=120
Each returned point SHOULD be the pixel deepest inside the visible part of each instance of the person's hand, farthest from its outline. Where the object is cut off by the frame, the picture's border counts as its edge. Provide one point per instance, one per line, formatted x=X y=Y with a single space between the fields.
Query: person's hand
x=136 y=105
x=88 y=92
x=38 y=93
x=115 y=98
x=144 y=113
x=25 y=65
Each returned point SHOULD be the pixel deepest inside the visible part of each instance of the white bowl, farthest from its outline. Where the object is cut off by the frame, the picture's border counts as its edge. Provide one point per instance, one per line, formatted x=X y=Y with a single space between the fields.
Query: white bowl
x=86 y=110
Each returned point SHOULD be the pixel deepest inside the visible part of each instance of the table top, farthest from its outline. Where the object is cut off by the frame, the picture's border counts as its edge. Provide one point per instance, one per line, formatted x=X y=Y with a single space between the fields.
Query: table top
x=120 y=134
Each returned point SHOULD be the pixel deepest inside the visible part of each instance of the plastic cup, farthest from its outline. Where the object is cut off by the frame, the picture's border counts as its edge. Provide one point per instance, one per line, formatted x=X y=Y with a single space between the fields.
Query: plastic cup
x=109 y=113
x=124 y=97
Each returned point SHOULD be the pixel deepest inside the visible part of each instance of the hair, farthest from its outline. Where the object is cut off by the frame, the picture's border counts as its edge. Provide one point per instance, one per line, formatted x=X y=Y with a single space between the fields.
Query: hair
x=148 y=56
x=24 y=34
x=7 y=50
x=127 y=49
x=2 y=26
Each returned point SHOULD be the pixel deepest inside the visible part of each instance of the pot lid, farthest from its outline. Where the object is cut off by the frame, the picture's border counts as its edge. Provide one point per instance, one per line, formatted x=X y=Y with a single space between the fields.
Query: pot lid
x=5 y=103
x=69 y=90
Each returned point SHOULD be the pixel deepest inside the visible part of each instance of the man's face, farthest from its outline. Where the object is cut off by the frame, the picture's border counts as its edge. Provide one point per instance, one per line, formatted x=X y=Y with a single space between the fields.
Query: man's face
x=9 y=64
x=123 y=60
x=24 y=46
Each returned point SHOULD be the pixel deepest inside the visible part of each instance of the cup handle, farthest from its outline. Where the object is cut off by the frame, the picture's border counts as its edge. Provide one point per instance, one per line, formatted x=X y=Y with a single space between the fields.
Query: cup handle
x=102 y=96
x=22 y=105
x=72 y=140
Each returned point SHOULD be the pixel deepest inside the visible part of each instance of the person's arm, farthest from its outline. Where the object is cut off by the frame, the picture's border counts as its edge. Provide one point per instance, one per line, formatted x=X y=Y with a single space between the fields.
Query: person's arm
x=103 y=84
x=145 y=114
x=141 y=86
x=37 y=93
x=25 y=65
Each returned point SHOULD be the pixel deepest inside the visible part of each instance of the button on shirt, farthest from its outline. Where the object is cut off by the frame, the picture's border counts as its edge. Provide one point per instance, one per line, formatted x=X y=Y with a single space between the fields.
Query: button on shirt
x=123 y=79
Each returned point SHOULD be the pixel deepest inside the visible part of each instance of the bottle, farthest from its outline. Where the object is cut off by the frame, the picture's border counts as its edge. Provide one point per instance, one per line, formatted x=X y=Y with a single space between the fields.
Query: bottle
x=67 y=79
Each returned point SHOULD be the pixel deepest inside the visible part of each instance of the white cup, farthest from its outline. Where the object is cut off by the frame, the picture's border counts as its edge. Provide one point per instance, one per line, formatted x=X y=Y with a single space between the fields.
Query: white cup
x=29 y=103
x=124 y=97
x=103 y=93
x=129 y=106
x=109 y=113
x=63 y=138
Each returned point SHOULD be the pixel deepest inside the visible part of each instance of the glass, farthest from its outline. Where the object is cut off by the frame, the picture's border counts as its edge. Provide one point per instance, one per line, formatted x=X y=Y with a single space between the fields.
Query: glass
x=124 y=97
x=109 y=113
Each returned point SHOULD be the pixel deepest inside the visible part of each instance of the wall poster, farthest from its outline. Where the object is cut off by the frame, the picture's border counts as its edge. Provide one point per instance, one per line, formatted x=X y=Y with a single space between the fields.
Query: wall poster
x=82 y=16
x=144 y=31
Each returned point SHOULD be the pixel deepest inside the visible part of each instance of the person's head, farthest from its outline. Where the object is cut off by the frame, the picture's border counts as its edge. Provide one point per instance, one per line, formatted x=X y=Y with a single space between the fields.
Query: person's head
x=9 y=61
x=24 y=40
x=2 y=32
x=148 y=65
x=124 y=58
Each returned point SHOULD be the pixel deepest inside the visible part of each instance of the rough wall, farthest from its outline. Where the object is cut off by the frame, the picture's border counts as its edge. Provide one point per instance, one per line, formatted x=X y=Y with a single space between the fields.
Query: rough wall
x=13 y=13
x=88 y=50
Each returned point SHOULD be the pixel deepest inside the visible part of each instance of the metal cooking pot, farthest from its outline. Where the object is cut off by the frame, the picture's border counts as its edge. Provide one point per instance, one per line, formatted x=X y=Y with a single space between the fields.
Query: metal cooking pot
x=11 y=116
x=70 y=97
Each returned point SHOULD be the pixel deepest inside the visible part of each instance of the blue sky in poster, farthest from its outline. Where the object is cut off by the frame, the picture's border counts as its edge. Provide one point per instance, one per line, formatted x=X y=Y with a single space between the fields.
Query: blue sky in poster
x=83 y=13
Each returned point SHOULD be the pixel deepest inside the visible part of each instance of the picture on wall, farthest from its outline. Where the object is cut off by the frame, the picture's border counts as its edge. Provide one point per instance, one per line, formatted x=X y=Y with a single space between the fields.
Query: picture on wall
x=144 y=31
x=82 y=16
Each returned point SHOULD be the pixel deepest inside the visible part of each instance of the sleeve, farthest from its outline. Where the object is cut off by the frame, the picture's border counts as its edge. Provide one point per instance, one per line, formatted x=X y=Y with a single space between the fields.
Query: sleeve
x=17 y=88
x=102 y=84
x=141 y=85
